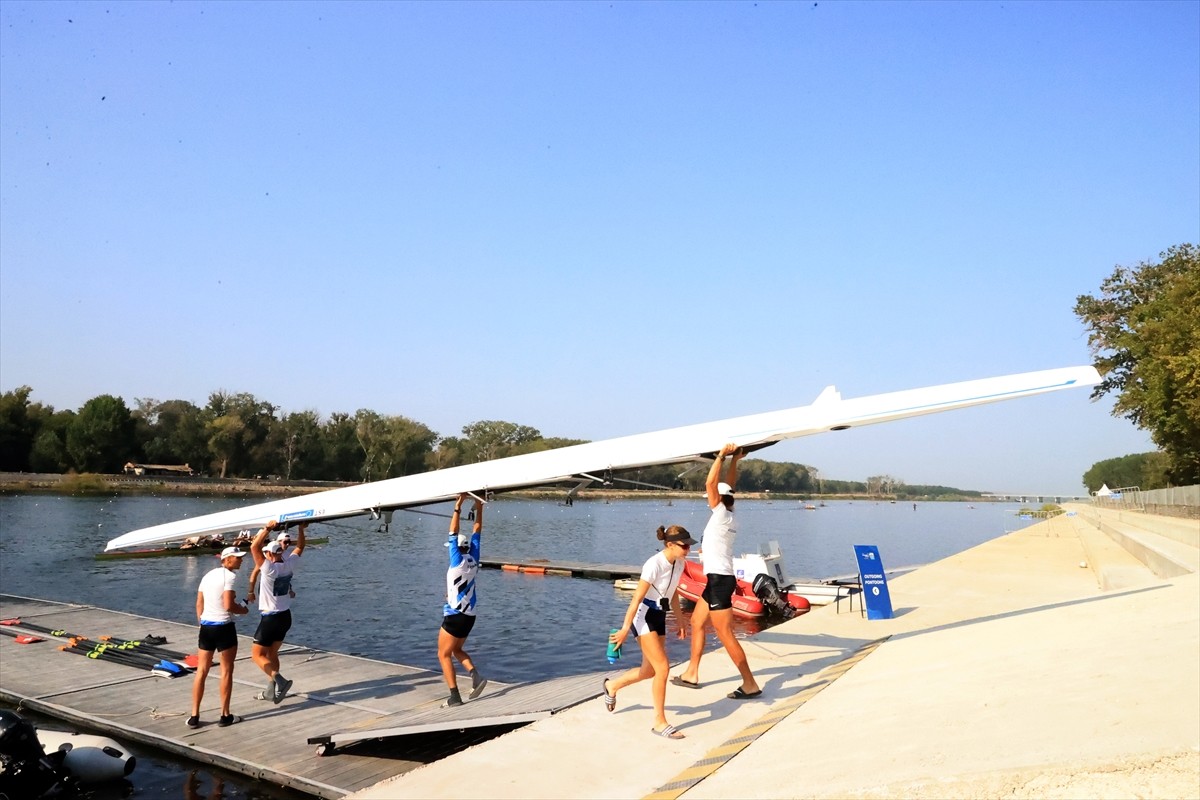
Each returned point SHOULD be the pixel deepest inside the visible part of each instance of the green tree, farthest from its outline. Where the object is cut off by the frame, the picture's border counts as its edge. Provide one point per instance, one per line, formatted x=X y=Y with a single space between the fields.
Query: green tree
x=299 y=439
x=16 y=431
x=101 y=436
x=490 y=439
x=172 y=432
x=342 y=457
x=1144 y=470
x=49 y=452
x=238 y=429
x=392 y=446
x=1144 y=331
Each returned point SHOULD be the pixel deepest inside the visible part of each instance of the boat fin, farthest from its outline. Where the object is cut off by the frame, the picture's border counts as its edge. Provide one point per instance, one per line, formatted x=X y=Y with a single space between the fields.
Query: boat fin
x=828 y=395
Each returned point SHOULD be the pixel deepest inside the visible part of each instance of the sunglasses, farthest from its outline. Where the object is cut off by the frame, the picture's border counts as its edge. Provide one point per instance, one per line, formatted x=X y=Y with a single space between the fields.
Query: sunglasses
x=684 y=546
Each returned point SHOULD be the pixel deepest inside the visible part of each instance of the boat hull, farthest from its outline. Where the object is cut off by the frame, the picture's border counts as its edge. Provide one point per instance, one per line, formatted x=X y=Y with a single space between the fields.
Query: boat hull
x=204 y=550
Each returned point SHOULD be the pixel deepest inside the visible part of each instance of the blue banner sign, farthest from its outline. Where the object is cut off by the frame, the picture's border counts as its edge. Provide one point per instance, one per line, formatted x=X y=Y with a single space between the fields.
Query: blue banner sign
x=874 y=582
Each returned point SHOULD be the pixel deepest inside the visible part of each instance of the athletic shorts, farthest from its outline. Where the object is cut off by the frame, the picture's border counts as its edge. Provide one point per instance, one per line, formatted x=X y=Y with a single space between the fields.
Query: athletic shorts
x=273 y=627
x=719 y=592
x=458 y=625
x=649 y=620
x=217 y=637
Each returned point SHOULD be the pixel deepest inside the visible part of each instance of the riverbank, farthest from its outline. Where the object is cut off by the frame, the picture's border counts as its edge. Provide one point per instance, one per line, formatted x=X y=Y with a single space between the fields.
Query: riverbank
x=1006 y=672
x=96 y=484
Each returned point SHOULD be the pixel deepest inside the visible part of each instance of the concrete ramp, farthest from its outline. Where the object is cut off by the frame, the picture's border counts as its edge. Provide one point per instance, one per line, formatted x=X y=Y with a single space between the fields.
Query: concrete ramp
x=501 y=705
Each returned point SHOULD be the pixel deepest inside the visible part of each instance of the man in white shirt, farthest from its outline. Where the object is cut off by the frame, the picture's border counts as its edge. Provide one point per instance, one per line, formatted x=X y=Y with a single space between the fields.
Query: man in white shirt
x=716 y=604
x=271 y=582
x=216 y=603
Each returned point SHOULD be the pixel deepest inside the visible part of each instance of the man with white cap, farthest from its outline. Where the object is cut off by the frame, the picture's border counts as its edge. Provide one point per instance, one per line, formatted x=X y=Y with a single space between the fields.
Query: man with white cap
x=271 y=581
x=216 y=603
x=716 y=604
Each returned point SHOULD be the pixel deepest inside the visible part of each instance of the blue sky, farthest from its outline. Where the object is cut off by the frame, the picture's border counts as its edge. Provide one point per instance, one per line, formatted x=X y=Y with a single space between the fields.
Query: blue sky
x=596 y=219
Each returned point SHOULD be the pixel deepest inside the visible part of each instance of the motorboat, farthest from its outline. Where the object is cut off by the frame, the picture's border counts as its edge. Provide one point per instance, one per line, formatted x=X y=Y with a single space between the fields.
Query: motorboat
x=89 y=759
x=769 y=561
x=38 y=762
x=752 y=599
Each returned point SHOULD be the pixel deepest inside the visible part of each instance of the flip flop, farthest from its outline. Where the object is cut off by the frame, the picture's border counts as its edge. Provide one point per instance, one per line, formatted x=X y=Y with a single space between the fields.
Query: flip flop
x=741 y=694
x=679 y=680
x=610 y=702
x=669 y=732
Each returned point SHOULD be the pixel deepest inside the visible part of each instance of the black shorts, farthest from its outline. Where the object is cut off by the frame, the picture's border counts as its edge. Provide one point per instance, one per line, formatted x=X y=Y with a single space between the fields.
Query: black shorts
x=217 y=637
x=273 y=627
x=458 y=625
x=656 y=622
x=718 y=593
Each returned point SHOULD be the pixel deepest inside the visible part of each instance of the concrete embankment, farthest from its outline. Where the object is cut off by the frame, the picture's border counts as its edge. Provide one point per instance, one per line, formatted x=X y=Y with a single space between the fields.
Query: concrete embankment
x=1008 y=671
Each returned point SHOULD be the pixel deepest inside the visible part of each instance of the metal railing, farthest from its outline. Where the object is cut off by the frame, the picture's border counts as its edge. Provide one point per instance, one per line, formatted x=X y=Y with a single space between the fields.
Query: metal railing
x=1177 y=501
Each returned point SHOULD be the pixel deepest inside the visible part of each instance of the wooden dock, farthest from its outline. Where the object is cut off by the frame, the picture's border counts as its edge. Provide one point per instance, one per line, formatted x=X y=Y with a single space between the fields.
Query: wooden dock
x=337 y=699
x=577 y=569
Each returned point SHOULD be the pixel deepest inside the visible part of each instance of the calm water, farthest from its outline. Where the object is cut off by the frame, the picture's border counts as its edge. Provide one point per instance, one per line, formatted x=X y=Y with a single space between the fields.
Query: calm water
x=379 y=594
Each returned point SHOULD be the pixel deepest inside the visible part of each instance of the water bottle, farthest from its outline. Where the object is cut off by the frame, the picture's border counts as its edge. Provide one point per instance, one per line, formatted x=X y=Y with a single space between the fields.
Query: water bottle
x=614 y=650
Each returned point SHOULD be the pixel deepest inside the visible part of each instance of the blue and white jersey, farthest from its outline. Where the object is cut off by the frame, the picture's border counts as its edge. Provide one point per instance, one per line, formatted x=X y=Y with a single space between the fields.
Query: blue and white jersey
x=460 y=578
x=275 y=584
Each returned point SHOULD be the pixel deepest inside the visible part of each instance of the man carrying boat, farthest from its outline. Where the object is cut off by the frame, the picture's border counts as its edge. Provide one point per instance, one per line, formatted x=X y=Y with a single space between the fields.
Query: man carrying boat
x=216 y=603
x=271 y=581
x=458 y=615
x=716 y=604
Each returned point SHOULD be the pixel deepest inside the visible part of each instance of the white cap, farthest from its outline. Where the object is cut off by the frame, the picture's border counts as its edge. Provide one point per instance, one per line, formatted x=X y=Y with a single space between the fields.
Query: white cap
x=273 y=547
x=724 y=488
x=284 y=537
x=231 y=551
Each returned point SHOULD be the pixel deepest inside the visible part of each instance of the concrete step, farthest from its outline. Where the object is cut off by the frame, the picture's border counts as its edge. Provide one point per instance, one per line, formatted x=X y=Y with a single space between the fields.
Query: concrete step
x=1113 y=565
x=1185 y=531
x=1165 y=556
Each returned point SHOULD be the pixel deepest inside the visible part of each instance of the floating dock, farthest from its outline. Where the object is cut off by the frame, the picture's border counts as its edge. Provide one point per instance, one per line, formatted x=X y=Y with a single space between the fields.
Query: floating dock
x=337 y=699
x=575 y=569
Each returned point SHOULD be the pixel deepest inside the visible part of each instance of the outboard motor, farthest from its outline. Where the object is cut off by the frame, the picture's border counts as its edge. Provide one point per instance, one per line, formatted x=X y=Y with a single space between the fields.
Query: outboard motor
x=25 y=770
x=767 y=590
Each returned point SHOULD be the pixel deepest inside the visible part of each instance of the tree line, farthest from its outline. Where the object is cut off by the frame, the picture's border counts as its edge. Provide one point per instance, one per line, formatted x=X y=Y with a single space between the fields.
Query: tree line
x=237 y=435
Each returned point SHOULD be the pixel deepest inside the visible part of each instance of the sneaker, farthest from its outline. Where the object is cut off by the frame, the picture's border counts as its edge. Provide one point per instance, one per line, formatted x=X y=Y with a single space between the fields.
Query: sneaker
x=282 y=685
x=193 y=722
x=478 y=684
x=227 y=720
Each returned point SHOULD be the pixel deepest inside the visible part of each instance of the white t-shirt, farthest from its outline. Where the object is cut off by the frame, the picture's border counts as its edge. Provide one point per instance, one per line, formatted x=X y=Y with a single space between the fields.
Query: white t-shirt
x=716 y=545
x=275 y=583
x=662 y=575
x=213 y=586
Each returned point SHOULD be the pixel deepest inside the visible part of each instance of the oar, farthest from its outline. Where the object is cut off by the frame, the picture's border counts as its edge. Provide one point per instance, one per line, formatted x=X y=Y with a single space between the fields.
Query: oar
x=22 y=638
x=143 y=646
x=124 y=644
x=129 y=658
x=41 y=628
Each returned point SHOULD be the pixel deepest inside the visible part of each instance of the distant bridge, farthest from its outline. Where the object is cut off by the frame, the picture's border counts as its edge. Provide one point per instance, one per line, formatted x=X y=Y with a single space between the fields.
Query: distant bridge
x=1036 y=497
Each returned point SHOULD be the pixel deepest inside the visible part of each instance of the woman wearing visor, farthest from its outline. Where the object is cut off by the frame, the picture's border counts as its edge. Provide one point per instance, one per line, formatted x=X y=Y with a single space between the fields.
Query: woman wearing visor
x=656 y=594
